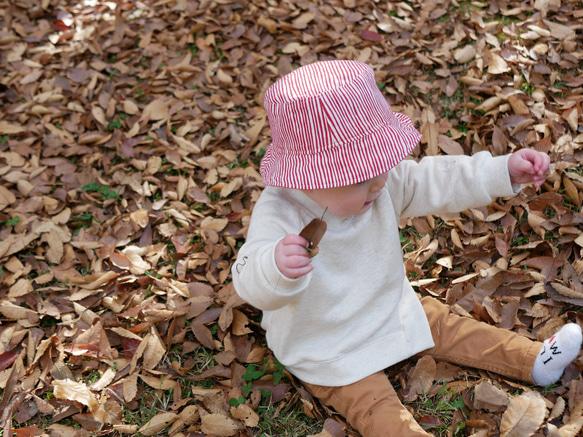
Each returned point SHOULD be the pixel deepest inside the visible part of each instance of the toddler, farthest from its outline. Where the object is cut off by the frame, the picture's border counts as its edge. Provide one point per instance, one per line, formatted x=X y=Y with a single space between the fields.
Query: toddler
x=338 y=319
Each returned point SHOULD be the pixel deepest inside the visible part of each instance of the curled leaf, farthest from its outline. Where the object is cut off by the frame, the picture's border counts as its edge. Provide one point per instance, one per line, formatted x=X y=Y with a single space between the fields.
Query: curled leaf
x=79 y=392
x=313 y=233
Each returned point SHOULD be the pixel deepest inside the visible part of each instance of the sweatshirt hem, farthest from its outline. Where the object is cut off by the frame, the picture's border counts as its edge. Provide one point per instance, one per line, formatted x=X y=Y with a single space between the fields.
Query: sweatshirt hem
x=356 y=366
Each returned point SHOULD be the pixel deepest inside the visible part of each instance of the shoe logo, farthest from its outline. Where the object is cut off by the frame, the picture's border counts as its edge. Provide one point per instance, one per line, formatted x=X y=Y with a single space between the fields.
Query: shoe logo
x=554 y=350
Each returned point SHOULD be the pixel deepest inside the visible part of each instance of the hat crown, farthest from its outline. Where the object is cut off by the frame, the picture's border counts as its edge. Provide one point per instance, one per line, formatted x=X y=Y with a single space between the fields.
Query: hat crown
x=324 y=105
x=331 y=126
x=314 y=79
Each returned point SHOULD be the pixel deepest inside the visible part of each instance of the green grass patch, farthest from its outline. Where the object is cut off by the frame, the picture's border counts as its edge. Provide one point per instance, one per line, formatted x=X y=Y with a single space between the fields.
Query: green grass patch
x=441 y=407
x=104 y=190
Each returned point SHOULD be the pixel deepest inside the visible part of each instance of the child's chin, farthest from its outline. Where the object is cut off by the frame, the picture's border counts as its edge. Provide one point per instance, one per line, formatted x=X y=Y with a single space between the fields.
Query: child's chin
x=364 y=208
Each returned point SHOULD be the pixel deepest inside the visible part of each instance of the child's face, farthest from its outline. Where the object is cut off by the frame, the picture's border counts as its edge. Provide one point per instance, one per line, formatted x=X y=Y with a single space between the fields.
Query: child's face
x=349 y=200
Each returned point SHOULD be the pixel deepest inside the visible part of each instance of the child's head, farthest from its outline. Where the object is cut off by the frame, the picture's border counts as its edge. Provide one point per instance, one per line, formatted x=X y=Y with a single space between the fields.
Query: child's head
x=332 y=127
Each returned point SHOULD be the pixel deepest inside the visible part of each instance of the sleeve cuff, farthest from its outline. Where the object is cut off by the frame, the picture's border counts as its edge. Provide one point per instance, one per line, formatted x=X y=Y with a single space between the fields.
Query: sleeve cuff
x=501 y=178
x=282 y=284
x=517 y=188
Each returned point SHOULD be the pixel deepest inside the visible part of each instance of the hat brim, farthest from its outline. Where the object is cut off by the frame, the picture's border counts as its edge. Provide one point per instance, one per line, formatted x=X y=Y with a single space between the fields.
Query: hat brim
x=342 y=165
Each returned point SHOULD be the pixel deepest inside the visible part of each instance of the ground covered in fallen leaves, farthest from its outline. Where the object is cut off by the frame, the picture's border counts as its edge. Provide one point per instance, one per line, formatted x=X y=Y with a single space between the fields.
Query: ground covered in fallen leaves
x=130 y=137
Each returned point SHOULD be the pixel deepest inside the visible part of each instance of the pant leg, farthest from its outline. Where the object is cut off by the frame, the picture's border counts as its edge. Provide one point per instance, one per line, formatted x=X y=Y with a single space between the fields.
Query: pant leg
x=371 y=406
x=468 y=342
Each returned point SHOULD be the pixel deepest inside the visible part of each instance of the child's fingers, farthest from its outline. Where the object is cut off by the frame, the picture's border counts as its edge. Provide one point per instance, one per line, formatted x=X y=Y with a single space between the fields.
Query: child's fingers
x=300 y=271
x=296 y=266
x=539 y=161
x=533 y=162
x=527 y=165
x=295 y=249
x=539 y=169
x=295 y=240
x=293 y=245
x=543 y=163
x=305 y=270
x=298 y=261
x=523 y=166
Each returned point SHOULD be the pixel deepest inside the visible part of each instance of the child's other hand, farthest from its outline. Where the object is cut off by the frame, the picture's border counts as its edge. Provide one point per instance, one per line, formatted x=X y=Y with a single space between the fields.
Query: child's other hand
x=527 y=165
x=291 y=256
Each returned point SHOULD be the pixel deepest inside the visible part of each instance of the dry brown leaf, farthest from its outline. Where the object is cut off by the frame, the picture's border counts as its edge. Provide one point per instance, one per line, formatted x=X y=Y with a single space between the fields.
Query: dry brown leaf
x=100 y=281
x=524 y=416
x=187 y=416
x=21 y=288
x=313 y=233
x=421 y=379
x=140 y=217
x=253 y=132
x=571 y=429
x=497 y=65
x=216 y=224
x=572 y=191
x=7 y=128
x=246 y=414
x=134 y=254
x=155 y=110
x=64 y=431
x=126 y=429
x=269 y=24
x=99 y=115
x=218 y=424
x=130 y=387
x=7 y=198
x=240 y=324
x=79 y=392
x=566 y=291
x=558 y=409
x=535 y=221
x=186 y=145
x=490 y=398
x=518 y=106
x=130 y=107
x=158 y=423
x=16 y=312
x=559 y=31
x=489 y=104
x=449 y=146
x=154 y=350
x=465 y=54
x=159 y=383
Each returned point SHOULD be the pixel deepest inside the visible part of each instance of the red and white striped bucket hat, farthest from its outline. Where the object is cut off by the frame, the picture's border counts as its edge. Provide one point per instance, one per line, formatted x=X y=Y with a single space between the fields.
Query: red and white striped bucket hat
x=331 y=127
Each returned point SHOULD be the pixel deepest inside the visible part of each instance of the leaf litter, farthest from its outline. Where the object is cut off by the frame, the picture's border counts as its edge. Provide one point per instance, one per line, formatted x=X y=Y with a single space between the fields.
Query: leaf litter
x=130 y=138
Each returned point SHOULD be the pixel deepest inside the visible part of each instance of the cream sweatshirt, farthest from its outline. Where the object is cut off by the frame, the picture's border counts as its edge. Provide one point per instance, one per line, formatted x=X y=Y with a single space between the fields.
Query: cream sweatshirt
x=355 y=313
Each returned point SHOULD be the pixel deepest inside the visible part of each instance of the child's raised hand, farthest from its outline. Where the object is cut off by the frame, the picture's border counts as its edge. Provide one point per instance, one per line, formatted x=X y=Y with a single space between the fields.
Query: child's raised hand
x=527 y=165
x=291 y=256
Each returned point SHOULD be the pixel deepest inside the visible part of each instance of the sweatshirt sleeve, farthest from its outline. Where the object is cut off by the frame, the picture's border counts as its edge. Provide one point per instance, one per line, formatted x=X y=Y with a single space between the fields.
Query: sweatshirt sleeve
x=256 y=277
x=447 y=184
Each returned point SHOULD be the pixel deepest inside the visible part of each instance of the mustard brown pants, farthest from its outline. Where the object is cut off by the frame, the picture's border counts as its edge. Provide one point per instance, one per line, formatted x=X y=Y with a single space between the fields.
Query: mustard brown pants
x=372 y=406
